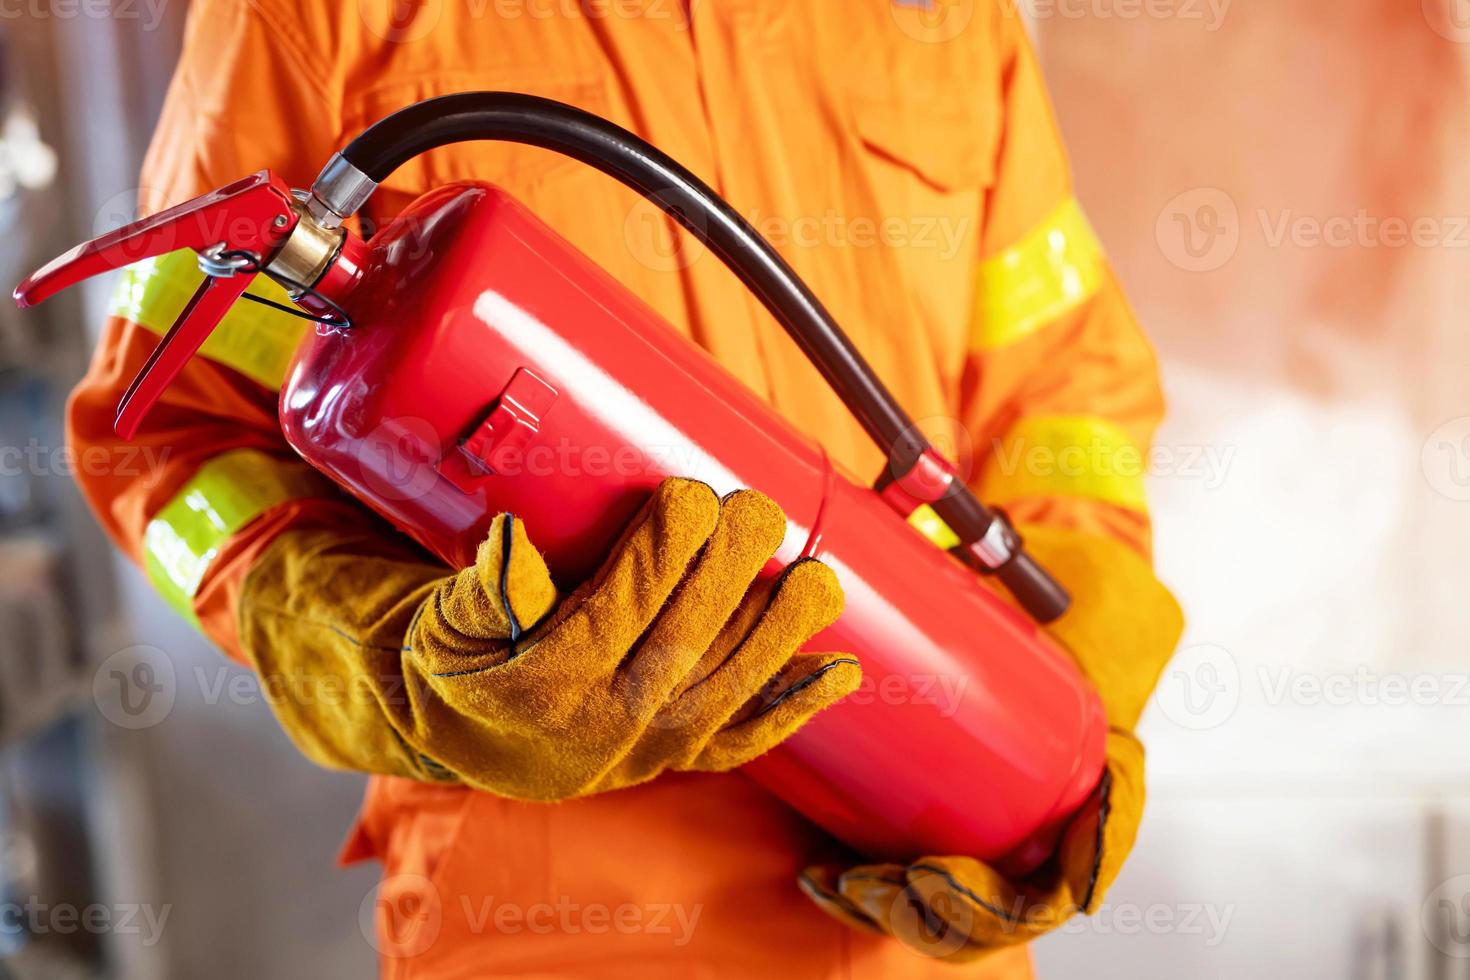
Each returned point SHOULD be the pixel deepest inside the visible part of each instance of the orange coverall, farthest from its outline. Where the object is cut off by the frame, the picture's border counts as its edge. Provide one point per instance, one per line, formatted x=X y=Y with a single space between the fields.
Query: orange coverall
x=903 y=159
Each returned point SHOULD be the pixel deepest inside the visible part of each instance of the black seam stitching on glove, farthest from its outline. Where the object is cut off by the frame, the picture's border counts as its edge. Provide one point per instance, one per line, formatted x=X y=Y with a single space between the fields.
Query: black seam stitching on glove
x=512 y=623
x=932 y=920
x=937 y=925
x=800 y=685
x=954 y=883
x=507 y=541
x=294 y=617
x=401 y=648
x=818 y=893
x=1105 y=790
x=413 y=625
x=403 y=743
x=413 y=753
x=735 y=649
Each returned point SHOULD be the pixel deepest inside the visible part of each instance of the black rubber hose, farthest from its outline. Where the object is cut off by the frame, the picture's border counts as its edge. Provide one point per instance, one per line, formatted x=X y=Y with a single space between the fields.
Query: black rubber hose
x=1039 y=594
x=519 y=118
x=1042 y=596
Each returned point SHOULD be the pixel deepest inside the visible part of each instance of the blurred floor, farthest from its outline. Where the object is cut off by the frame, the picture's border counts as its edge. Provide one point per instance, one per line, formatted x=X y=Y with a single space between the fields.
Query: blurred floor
x=246 y=831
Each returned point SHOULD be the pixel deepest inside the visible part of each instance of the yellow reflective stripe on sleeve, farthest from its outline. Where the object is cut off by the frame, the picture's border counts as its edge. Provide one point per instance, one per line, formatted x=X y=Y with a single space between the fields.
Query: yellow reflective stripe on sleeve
x=1057 y=266
x=255 y=340
x=932 y=526
x=227 y=493
x=1076 y=455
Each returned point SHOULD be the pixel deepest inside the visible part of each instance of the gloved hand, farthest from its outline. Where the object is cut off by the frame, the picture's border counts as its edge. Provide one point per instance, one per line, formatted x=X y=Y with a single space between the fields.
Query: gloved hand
x=672 y=656
x=1121 y=629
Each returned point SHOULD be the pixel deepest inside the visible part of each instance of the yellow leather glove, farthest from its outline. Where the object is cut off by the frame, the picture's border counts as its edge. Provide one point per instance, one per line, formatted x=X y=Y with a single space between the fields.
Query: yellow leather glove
x=1121 y=629
x=672 y=656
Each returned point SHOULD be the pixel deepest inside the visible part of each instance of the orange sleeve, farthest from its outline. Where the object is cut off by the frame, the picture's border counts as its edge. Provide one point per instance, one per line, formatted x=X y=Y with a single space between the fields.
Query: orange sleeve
x=1060 y=391
x=239 y=102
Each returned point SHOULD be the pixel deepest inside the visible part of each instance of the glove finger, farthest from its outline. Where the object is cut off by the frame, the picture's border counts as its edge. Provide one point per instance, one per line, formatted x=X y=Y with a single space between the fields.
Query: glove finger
x=885 y=893
x=473 y=618
x=1117 y=605
x=594 y=630
x=793 y=681
x=749 y=531
x=875 y=890
x=819 y=883
x=970 y=904
x=736 y=628
x=975 y=900
x=807 y=599
x=813 y=682
x=1102 y=834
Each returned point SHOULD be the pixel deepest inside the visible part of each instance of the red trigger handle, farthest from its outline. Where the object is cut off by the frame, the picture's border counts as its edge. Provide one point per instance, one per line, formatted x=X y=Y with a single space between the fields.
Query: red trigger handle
x=208 y=306
x=253 y=215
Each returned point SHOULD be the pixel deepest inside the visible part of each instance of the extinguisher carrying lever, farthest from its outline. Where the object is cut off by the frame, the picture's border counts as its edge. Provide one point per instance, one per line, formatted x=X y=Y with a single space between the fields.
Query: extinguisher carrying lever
x=234 y=229
x=987 y=539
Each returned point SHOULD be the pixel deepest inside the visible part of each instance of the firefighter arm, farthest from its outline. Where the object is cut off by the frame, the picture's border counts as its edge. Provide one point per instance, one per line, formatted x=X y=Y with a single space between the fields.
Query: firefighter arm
x=1060 y=388
x=209 y=479
x=209 y=483
x=205 y=484
x=1060 y=395
x=1061 y=392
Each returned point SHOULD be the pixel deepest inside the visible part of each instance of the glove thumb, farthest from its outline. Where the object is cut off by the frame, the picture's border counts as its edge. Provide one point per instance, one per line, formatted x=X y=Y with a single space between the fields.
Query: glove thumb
x=506 y=592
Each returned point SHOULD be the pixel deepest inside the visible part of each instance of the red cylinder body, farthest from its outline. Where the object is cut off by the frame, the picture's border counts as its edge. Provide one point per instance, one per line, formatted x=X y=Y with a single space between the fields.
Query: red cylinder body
x=493 y=367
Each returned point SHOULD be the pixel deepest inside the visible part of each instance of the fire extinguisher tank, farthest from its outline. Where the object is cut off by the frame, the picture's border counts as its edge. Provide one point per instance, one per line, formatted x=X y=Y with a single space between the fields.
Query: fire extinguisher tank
x=540 y=386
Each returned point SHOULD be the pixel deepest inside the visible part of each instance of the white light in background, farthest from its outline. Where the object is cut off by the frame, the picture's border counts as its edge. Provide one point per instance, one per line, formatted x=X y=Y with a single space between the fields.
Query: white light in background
x=1292 y=568
x=25 y=161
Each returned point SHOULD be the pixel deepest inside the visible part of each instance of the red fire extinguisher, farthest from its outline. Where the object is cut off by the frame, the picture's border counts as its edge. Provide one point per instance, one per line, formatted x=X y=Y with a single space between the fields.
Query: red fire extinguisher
x=467 y=360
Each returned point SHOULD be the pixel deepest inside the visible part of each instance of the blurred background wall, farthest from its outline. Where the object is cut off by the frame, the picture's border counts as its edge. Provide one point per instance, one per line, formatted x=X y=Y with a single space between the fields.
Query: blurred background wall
x=1280 y=188
x=154 y=789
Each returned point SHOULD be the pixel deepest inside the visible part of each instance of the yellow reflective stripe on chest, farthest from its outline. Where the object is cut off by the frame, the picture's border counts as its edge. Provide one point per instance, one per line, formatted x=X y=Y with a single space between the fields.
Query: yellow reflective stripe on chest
x=1056 y=267
x=1076 y=455
x=255 y=340
x=227 y=493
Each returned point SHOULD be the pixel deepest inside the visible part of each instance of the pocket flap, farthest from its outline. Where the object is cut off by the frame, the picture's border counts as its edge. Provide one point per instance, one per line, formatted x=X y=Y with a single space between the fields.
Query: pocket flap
x=945 y=147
